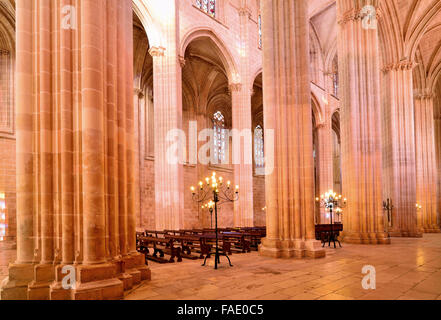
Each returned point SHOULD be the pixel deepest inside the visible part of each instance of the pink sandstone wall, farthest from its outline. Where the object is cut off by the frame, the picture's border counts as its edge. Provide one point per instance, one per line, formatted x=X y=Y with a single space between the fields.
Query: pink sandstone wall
x=7 y=183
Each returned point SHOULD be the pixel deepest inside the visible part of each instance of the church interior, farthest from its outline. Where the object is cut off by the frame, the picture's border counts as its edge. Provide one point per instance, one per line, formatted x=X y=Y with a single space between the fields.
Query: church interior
x=220 y=150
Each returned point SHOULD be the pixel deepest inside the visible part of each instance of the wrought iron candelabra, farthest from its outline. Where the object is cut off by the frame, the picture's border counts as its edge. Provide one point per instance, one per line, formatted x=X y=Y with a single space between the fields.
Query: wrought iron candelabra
x=215 y=190
x=334 y=203
x=388 y=207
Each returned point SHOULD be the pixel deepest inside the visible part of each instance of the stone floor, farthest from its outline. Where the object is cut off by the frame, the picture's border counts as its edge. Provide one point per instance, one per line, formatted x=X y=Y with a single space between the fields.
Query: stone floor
x=407 y=269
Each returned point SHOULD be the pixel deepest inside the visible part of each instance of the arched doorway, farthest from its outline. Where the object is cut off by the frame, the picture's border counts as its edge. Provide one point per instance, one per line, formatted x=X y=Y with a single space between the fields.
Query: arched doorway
x=144 y=124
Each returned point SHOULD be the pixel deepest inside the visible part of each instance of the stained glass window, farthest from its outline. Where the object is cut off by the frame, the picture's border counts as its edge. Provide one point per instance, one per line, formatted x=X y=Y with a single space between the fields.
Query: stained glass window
x=260 y=30
x=259 y=157
x=208 y=6
x=335 y=76
x=219 y=140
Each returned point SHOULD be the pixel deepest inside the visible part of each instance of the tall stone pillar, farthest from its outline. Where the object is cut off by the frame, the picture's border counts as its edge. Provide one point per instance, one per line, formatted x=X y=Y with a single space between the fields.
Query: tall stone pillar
x=243 y=160
x=167 y=91
x=287 y=114
x=242 y=131
x=437 y=134
x=325 y=163
x=399 y=145
x=360 y=124
x=426 y=171
x=75 y=152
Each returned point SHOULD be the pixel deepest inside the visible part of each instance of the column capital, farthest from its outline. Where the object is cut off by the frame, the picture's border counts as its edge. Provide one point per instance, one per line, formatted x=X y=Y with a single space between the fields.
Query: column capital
x=371 y=12
x=157 y=51
x=244 y=12
x=138 y=92
x=404 y=64
x=423 y=94
x=181 y=60
x=235 y=87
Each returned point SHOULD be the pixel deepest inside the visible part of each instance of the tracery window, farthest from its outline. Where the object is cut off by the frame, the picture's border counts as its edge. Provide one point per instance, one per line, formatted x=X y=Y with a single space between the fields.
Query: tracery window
x=208 y=6
x=219 y=141
x=259 y=157
x=335 y=76
x=6 y=94
x=260 y=30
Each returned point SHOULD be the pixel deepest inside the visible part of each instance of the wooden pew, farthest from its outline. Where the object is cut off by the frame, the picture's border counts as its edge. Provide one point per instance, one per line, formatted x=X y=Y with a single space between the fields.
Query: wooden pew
x=190 y=244
x=160 y=246
x=238 y=239
x=155 y=233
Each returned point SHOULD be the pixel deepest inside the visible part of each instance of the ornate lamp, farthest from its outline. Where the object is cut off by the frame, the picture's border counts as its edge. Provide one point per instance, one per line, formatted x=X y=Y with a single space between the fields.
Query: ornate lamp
x=218 y=192
x=210 y=207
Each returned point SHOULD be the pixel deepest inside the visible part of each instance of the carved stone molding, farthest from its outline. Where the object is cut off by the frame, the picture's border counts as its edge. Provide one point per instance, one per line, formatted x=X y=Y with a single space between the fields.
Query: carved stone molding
x=138 y=92
x=359 y=14
x=423 y=94
x=244 y=12
x=235 y=87
x=401 y=65
x=157 y=51
x=181 y=61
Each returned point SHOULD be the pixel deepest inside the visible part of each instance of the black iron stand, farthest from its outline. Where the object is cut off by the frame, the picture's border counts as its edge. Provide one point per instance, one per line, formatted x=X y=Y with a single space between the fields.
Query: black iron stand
x=217 y=255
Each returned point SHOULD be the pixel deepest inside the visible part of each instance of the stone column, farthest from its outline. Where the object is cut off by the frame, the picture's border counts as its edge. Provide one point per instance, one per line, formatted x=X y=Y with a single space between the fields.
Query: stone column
x=287 y=114
x=399 y=145
x=325 y=163
x=437 y=134
x=140 y=135
x=75 y=151
x=242 y=154
x=167 y=90
x=242 y=122
x=426 y=171
x=360 y=125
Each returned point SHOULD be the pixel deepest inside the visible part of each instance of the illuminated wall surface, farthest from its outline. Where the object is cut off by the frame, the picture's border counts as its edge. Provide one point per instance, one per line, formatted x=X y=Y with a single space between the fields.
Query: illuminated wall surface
x=3 y=224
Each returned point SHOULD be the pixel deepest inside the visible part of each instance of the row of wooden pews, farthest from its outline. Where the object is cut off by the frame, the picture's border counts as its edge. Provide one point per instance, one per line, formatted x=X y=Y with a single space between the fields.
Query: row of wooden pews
x=169 y=246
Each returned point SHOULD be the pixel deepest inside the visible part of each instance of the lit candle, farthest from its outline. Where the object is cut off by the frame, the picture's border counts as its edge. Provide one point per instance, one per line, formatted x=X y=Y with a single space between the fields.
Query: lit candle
x=192 y=189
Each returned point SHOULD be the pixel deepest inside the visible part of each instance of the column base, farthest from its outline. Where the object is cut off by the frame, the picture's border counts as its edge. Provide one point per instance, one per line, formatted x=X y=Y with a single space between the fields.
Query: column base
x=407 y=234
x=15 y=286
x=132 y=270
x=432 y=229
x=366 y=238
x=286 y=249
x=39 y=288
x=98 y=282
